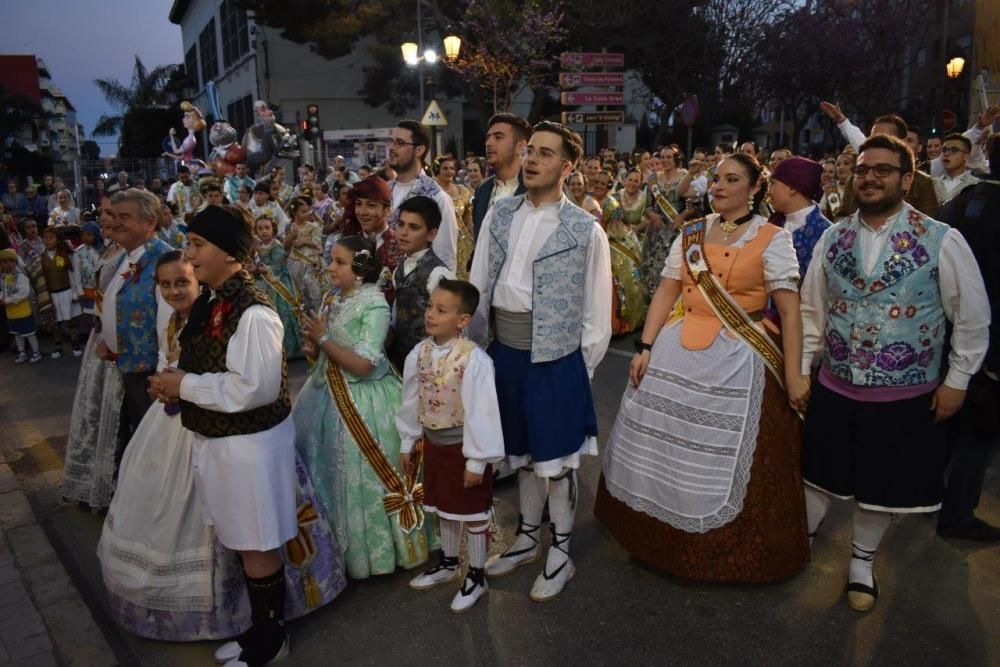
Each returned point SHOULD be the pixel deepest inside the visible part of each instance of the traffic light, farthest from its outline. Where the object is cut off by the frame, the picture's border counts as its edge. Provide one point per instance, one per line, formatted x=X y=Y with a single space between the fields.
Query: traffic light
x=312 y=121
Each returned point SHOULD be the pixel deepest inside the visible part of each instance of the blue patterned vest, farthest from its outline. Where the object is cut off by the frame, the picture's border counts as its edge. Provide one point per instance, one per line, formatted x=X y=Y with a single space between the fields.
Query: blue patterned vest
x=807 y=236
x=559 y=273
x=424 y=185
x=886 y=329
x=135 y=311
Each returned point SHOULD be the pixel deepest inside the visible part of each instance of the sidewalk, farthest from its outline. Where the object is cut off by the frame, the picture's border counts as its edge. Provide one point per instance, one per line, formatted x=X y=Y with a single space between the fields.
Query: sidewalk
x=43 y=619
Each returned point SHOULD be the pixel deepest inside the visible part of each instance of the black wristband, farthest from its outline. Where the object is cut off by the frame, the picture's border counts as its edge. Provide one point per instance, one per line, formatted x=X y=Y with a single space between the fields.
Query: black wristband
x=640 y=346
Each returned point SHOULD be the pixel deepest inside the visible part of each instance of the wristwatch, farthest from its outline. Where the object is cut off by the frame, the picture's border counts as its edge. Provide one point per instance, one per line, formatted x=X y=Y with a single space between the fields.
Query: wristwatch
x=640 y=346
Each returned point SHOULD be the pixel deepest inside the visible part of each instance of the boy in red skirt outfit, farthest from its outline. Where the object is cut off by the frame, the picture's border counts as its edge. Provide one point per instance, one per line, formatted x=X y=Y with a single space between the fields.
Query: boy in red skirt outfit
x=450 y=400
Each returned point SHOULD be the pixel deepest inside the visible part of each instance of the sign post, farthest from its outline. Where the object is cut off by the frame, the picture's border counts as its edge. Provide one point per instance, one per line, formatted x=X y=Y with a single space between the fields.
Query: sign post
x=434 y=118
x=609 y=87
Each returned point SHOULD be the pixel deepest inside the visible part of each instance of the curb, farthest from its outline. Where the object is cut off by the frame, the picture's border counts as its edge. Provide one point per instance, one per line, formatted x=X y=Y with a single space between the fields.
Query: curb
x=45 y=621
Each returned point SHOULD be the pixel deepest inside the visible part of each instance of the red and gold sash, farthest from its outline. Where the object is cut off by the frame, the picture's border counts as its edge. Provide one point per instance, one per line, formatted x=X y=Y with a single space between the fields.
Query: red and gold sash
x=732 y=314
x=404 y=497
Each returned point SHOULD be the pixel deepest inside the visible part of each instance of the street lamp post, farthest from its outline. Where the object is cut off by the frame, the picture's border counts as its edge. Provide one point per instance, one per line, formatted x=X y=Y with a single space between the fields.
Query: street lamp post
x=411 y=56
x=954 y=69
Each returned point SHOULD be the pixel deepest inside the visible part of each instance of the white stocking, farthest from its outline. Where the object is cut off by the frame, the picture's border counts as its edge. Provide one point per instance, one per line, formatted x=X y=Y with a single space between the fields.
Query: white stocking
x=562 y=510
x=868 y=529
x=451 y=533
x=817 y=504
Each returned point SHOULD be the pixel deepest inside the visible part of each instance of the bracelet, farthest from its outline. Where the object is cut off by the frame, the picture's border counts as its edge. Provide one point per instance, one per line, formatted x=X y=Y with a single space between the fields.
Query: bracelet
x=322 y=339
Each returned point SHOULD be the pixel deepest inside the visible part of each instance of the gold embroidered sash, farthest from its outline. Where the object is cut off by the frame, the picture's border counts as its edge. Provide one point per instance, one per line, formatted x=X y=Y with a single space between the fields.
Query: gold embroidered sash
x=404 y=497
x=292 y=299
x=621 y=247
x=732 y=314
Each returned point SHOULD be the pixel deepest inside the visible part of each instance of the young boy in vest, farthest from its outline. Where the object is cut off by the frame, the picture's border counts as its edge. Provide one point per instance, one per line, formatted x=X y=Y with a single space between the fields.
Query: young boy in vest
x=232 y=385
x=450 y=400
x=416 y=276
x=15 y=293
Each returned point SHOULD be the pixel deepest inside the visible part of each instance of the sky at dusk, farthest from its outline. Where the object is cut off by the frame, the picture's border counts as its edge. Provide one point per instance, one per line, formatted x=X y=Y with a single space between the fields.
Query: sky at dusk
x=83 y=40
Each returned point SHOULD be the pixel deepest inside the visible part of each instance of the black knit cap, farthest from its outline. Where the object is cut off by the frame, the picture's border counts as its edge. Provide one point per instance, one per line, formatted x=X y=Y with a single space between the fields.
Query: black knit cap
x=225 y=228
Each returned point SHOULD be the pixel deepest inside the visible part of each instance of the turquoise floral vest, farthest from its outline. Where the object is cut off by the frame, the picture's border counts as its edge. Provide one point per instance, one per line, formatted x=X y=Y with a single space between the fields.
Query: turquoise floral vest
x=559 y=273
x=135 y=311
x=886 y=329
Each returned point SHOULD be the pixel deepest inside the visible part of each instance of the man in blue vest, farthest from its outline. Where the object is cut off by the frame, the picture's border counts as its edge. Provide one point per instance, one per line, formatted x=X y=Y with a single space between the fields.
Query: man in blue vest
x=543 y=268
x=506 y=136
x=876 y=300
x=131 y=303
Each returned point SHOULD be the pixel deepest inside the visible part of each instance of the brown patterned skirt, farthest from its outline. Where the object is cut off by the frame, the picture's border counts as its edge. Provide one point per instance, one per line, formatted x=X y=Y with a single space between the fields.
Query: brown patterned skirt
x=767 y=542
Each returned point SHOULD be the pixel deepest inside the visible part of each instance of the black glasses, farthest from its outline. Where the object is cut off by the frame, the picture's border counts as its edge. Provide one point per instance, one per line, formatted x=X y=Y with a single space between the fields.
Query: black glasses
x=399 y=143
x=880 y=170
x=950 y=150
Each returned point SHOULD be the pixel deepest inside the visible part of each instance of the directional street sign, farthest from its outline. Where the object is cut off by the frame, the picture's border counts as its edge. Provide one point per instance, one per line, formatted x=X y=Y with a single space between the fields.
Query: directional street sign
x=598 y=118
x=577 y=60
x=434 y=117
x=574 y=79
x=571 y=99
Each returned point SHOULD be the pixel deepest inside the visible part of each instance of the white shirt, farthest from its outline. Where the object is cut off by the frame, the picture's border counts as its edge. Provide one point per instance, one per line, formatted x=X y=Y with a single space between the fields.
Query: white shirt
x=482 y=433
x=253 y=367
x=503 y=188
x=446 y=243
x=946 y=187
x=977 y=159
x=797 y=220
x=183 y=196
x=437 y=273
x=963 y=298
x=699 y=185
x=531 y=228
x=109 y=313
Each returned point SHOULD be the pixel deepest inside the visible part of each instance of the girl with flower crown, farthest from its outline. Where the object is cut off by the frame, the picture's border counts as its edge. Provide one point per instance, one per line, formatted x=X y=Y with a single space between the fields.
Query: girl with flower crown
x=344 y=421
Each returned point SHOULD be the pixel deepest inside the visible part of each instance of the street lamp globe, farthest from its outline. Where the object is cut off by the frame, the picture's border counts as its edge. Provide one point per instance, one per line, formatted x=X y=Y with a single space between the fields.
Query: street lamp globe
x=954 y=67
x=430 y=56
x=452 y=45
x=410 y=53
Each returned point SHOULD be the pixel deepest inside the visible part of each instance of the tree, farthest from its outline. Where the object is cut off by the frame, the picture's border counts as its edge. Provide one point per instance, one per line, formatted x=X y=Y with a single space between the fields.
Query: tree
x=90 y=150
x=17 y=113
x=147 y=90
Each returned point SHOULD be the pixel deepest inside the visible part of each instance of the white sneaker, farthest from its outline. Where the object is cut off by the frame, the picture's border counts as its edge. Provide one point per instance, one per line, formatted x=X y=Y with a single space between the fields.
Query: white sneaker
x=56 y=355
x=472 y=589
x=444 y=572
x=227 y=652
x=21 y=358
x=35 y=358
x=77 y=352
x=526 y=549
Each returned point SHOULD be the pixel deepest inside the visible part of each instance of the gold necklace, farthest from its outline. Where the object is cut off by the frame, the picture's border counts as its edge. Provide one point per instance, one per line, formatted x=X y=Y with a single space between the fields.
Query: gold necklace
x=728 y=227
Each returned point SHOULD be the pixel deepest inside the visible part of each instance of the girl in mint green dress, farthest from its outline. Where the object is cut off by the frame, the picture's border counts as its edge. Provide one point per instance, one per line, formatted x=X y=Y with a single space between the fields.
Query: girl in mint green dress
x=347 y=337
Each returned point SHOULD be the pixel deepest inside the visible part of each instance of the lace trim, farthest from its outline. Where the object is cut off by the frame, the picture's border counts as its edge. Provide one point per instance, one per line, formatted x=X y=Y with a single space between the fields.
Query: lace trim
x=741 y=474
x=784 y=283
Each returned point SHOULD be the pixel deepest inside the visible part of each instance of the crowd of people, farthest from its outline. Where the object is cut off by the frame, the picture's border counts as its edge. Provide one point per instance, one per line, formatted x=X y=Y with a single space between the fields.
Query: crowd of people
x=807 y=331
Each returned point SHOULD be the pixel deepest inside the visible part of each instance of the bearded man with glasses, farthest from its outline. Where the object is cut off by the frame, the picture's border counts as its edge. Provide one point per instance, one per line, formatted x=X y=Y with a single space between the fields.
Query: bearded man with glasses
x=880 y=291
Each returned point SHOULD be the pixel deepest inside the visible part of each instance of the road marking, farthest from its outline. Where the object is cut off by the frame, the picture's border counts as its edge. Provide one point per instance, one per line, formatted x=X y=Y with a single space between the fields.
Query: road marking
x=621 y=353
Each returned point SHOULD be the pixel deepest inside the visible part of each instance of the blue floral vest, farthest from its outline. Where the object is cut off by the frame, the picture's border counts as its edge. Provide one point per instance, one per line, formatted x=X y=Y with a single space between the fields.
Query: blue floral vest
x=559 y=273
x=807 y=236
x=135 y=311
x=424 y=185
x=886 y=329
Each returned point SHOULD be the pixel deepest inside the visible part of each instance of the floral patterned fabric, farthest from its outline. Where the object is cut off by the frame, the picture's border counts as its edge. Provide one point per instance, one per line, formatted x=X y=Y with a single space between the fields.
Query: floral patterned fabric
x=629 y=305
x=888 y=328
x=348 y=490
x=136 y=313
x=304 y=263
x=89 y=466
x=273 y=257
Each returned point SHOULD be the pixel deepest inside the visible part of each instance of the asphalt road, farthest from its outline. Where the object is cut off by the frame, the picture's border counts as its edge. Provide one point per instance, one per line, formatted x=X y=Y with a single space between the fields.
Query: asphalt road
x=939 y=599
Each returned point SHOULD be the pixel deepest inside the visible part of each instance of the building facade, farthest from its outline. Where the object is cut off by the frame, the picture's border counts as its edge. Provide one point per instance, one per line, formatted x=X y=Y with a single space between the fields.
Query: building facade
x=54 y=130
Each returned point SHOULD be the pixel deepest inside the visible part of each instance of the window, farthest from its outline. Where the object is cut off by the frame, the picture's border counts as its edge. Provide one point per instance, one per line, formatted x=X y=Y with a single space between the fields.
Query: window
x=964 y=42
x=191 y=65
x=921 y=57
x=240 y=114
x=235 y=36
x=209 y=53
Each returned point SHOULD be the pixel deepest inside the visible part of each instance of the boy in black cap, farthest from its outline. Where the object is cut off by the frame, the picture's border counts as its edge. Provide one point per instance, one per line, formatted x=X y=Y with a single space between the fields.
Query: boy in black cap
x=231 y=382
